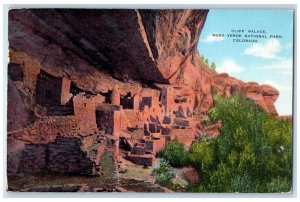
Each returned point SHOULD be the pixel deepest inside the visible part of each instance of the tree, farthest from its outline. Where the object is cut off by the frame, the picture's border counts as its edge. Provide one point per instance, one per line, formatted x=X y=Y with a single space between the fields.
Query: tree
x=206 y=62
x=175 y=154
x=202 y=57
x=213 y=66
x=252 y=154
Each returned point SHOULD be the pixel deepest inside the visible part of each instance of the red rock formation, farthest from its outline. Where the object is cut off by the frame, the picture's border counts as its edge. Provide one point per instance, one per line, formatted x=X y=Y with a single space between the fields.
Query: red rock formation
x=91 y=46
x=135 y=74
x=270 y=95
x=263 y=95
x=18 y=115
x=286 y=118
x=146 y=44
x=192 y=176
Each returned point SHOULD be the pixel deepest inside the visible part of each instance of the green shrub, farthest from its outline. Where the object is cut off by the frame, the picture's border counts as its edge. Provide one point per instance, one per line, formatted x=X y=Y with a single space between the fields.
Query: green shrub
x=279 y=185
x=164 y=175
x=252 y=154
x=175 y=154
x=242 y=183
x=201 y=153
x=213 y=66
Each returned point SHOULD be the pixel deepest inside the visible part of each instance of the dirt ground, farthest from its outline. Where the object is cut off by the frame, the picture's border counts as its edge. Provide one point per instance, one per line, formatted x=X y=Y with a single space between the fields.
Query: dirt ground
x=86 y=184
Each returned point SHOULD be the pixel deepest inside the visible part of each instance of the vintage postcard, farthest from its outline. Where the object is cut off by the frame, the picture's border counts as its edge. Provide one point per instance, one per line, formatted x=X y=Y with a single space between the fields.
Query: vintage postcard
x=150 y=100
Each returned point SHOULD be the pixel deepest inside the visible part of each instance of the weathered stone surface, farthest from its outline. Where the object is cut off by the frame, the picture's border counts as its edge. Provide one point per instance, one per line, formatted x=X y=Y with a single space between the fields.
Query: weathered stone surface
x=286 y=118
x=146 y=159
x=65 y=156
x=99 y=52
x=263 y=95
x=270 y=96
x=163 y=39
x=181 y=122
x=18 y=116
x=14 y=154
x=33 y=159
x=185 y=136
x=268 y=90
x=138 y=149
x=192 y=176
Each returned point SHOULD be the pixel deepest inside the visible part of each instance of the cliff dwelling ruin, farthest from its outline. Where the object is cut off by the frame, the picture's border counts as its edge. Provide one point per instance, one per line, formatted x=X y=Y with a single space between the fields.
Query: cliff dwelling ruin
x=144 y=122
x=88 y=101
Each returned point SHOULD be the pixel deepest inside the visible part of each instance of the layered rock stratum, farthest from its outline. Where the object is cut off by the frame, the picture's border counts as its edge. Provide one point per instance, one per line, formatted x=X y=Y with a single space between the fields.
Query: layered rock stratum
x=98 y=48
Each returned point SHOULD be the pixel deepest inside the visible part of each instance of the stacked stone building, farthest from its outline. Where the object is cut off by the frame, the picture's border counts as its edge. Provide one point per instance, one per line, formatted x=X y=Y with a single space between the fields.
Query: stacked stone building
x=142 y=123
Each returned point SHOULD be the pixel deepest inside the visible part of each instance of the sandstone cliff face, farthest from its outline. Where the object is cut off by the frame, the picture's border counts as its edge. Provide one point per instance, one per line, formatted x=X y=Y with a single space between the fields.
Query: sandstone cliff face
x=97 y=49
x=138 y=44
x=263 y=95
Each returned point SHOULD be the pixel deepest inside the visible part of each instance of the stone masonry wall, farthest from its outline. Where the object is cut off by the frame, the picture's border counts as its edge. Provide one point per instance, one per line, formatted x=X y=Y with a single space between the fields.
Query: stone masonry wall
x=62 y=156
x=146 y=159
x=65 y=91
x=104 y=118
x=67 y=157
x=31 y=70
x=84 y=110
x=33 y=158
x=135 y=118
x=185 y=136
